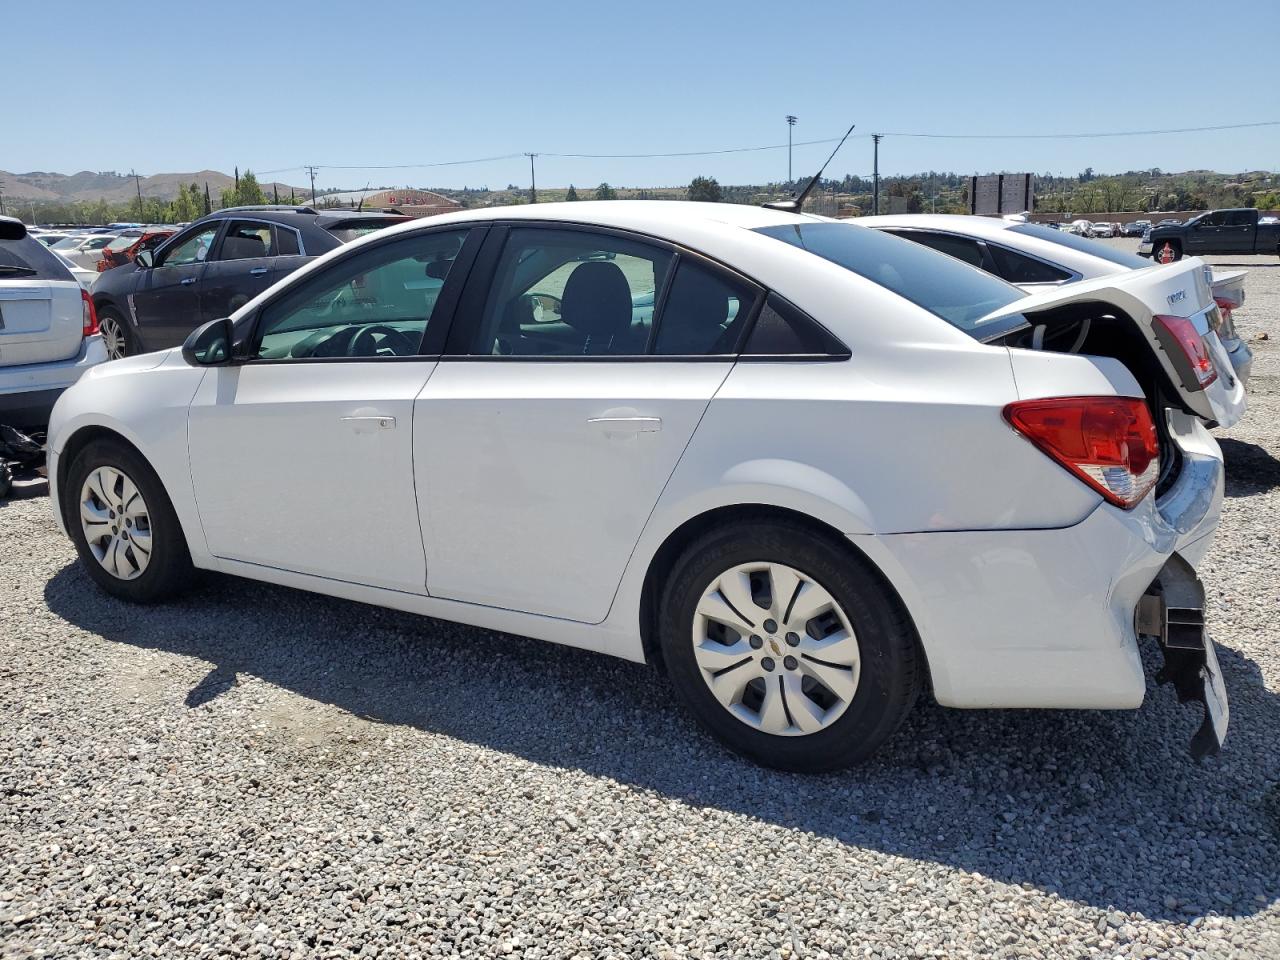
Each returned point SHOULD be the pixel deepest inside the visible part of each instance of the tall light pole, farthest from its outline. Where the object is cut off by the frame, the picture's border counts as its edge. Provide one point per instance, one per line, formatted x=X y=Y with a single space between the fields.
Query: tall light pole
x=791 y=122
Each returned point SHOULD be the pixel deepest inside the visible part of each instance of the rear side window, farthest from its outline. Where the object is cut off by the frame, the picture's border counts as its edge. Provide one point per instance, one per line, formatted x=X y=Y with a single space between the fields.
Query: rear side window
x=784 y=330
x=286 y=242
x=1083 y=244
x=958 y=293
x=1017 y=268
x=704 y=312
x=29 y=259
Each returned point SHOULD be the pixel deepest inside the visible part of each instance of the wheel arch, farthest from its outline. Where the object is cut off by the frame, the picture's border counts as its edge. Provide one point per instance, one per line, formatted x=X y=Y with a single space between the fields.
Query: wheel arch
x=694 y=527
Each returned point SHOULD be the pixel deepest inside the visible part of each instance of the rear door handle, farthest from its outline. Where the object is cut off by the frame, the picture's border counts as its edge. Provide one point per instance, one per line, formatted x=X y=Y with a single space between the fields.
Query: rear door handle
x=257 y=271
x=627 y=424
x=187 y=281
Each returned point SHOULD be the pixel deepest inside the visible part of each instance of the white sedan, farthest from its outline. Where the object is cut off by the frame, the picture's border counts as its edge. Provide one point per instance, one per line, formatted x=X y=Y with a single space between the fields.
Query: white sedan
x=1037 y=258
x=809 y=469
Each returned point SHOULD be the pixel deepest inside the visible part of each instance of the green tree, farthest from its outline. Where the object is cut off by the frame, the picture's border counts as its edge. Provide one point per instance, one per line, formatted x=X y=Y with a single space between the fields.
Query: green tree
x=606 y=192
x=572 y=194
x=246 y=192
x=706 y=189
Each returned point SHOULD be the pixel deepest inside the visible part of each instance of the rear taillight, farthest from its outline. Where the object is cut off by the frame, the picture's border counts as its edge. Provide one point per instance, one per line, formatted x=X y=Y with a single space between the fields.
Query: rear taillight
x=89 y=314
x=1108 y=442
x=1189 y=353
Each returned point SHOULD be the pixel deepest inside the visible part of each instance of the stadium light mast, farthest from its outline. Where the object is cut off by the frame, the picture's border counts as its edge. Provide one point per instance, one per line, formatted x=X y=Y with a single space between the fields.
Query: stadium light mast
x=791 y=122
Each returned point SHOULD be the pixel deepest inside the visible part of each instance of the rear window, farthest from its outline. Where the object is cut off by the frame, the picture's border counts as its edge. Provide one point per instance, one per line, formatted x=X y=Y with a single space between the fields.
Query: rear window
x=121 y=243
x=958 y=293
x=348 y=230
x=29 y=259
x=1083 y=244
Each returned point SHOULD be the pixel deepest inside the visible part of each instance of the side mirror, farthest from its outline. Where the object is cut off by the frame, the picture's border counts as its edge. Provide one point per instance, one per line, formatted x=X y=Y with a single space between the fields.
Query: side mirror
x=145 y=259
x=209 y=345
x=11 y=229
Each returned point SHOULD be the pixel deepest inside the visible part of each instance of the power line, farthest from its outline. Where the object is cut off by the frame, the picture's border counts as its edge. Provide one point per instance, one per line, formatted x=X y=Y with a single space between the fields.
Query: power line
x=1085 y=136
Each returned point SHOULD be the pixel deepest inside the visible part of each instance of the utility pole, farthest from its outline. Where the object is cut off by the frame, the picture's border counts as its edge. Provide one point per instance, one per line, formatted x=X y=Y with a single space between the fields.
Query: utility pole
x=2 y=213
x=138 y=183
x=312 y=170
x=533 y=180
x=791 y=122
x=875 y=173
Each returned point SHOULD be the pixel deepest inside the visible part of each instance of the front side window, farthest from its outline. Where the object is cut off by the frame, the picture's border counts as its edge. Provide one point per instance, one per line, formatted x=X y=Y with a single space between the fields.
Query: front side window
x=962 y=248
x=194 y=249
x=377 y=303
x=571 y=293
x=947 y=288
x=246 y=240
x=1082 y=244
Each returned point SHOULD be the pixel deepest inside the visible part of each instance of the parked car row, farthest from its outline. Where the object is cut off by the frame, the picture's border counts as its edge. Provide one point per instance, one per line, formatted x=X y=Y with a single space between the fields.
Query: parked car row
x=810 y=467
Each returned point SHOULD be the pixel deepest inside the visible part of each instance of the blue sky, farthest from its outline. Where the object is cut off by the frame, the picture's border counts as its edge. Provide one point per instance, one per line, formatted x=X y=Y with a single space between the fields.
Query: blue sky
x=280 y=84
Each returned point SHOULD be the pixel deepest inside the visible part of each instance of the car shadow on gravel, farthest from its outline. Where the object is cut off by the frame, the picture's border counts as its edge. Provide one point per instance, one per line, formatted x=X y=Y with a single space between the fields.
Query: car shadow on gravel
x=1249 y=468
x=1105 y=808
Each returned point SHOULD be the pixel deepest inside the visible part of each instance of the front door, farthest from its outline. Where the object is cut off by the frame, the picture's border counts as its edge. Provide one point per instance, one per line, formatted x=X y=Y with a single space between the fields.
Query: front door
x=543 y=449
x=166 y=300
x=1205 y=235
x=302 y=457
x=240 y=269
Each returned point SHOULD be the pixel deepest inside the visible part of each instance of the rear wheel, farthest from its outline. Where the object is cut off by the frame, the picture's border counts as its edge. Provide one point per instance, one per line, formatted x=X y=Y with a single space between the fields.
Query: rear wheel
x=787 y=647
x=123 y=524
x=115 y=334
x=1167 y=253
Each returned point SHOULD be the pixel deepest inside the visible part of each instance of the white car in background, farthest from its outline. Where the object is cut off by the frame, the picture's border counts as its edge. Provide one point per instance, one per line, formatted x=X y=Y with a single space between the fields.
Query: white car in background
x=84 y=251
x=48 y=329
x=1103 y=230
x=823 y=470
x=83 y=276
x=1037 y=258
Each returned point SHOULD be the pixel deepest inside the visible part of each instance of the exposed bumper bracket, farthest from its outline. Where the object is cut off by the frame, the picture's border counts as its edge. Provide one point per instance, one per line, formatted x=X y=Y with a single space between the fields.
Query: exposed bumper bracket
x=1172 y=611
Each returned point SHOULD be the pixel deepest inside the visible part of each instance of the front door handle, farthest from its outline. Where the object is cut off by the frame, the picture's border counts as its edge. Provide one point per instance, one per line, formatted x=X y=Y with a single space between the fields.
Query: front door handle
x=627 y=424
x=257 y=271
x=187 y=281
x=370 y=424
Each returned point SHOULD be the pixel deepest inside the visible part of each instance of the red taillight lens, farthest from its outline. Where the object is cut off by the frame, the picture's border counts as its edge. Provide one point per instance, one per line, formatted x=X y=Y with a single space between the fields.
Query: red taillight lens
x=1108 y=442
x=89 y=314
x=1182 y=332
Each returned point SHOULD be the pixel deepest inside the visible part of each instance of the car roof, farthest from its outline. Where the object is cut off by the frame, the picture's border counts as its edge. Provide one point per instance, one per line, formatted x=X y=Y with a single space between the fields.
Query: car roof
x=960 y=223
x=620 y=212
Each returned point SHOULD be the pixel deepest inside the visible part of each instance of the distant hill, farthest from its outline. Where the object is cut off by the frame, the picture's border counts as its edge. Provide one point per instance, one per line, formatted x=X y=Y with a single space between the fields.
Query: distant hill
x=113 y=187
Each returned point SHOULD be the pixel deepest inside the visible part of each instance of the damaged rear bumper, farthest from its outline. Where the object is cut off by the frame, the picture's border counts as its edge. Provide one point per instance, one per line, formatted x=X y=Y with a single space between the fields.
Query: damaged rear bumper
x=1172 y=612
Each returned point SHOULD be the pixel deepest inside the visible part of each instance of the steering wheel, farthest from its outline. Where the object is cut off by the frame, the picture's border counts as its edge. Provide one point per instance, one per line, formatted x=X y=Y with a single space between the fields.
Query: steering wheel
x=364 y=345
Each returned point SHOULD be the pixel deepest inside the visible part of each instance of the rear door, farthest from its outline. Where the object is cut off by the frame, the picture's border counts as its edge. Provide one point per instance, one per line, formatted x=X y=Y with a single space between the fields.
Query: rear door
x=1238 y=231
x=41 y=311
x=239 y=269
x=546 y=435
x=166 y=299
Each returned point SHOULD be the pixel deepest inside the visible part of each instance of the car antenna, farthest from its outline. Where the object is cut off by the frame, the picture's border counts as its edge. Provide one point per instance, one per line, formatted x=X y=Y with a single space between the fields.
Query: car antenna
x=363 y=194
x=796 y=202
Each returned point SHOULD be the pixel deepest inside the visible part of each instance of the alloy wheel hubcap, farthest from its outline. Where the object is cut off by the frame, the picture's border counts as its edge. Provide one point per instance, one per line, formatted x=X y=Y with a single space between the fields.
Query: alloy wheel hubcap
x=112 y=337
x=116 y=523
x=776 y=649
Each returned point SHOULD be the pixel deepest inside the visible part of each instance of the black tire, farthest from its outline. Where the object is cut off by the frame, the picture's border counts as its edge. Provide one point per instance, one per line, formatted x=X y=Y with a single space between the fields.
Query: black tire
x=6 y=480
x=1173 y=247
x=892 y=668
x=110 y=315
x=169 y=571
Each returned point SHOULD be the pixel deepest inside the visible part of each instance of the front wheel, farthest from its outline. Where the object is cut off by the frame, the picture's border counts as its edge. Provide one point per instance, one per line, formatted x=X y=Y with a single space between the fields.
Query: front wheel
x=787 y=647
x=123 y=524
x=1167 y=253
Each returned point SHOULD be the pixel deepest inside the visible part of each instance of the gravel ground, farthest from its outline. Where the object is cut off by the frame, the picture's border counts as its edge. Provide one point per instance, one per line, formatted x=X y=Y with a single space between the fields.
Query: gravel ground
x=263 y=772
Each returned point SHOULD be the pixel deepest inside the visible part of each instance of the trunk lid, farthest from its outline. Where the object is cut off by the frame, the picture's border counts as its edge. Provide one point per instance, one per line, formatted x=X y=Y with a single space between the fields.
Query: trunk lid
x=1180 y=289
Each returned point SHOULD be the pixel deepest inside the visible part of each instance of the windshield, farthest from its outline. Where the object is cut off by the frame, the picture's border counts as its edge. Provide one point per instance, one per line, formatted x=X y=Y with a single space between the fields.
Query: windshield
x=958 y=293
x=68 y=243
x=1100 y=250
x=121 y=243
